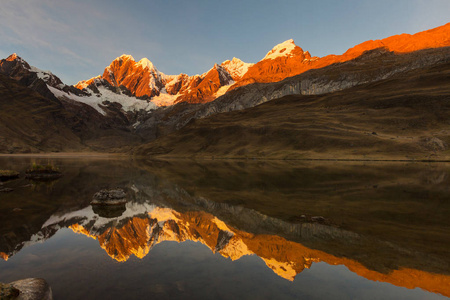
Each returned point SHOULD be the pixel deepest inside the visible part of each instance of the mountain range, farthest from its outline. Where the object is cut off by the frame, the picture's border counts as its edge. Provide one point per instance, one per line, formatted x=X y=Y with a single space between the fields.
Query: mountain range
x=133 y=103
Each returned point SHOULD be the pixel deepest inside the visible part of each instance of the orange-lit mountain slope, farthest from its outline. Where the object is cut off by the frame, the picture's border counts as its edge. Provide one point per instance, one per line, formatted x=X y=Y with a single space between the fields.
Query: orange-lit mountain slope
x=143 y=80
x=291 y=60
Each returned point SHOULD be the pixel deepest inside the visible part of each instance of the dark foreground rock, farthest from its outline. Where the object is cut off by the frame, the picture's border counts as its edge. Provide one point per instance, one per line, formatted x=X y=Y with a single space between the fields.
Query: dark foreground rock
x=26 y=289
x=109 y=211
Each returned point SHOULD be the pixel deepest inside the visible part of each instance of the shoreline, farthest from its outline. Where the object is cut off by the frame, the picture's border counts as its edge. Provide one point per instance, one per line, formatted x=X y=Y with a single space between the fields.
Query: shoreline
x=318 y=158
x=67 y=154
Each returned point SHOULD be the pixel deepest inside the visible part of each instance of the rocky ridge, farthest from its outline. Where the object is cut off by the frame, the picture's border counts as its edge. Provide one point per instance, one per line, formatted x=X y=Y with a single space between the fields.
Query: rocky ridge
x=372 y=66
x=286 y=59
x=142 y=80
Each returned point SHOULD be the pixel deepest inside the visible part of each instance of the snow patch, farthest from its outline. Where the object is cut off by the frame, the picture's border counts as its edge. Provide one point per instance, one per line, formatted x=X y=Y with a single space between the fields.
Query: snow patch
x=223 y=89
x=236 y=67
x=128 y=103
x=164 y=99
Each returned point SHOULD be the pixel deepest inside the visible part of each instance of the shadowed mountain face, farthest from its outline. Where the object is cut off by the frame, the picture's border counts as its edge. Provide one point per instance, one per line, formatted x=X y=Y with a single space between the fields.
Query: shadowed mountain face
x=386 y=222
x=404 y=116
x=31 y=121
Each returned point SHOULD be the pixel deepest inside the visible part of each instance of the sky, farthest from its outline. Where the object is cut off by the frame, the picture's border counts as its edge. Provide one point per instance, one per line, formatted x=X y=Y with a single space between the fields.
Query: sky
x=77 y=39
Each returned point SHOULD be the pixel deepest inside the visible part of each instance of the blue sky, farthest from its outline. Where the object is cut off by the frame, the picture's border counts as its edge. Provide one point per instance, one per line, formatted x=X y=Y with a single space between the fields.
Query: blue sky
x=77 y=39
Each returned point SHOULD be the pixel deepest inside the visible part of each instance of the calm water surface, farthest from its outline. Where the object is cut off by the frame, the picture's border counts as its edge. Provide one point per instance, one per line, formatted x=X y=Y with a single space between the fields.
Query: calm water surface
x=230 y=230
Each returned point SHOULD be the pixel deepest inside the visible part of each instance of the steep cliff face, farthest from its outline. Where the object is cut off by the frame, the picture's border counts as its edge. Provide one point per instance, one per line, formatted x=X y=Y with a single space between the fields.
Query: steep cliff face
x=142 y=77
x=202 y=89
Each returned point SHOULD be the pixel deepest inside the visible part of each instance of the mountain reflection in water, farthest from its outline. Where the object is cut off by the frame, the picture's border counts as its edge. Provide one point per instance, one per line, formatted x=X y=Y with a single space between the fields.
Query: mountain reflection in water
x=219 y=205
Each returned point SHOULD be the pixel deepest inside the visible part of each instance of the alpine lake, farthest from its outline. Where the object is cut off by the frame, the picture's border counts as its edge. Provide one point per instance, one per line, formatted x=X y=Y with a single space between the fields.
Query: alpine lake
x=229 y=229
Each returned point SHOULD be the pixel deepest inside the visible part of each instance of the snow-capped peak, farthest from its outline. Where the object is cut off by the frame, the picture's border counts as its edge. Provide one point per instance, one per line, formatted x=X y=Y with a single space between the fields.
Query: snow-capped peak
x=145 y=63
x=236 y=67
x=125 y=56
x=283 y=49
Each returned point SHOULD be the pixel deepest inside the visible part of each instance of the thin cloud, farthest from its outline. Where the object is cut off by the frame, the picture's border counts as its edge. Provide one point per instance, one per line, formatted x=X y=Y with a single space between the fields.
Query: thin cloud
x=32 y=25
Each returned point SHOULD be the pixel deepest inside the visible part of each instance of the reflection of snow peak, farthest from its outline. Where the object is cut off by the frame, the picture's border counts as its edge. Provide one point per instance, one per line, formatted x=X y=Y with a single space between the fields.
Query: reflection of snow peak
x=142 y=226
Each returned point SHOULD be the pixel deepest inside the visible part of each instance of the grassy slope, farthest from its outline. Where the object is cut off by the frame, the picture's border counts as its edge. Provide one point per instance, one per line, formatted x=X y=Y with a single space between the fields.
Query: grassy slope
x=404 y=117
x=32 y=123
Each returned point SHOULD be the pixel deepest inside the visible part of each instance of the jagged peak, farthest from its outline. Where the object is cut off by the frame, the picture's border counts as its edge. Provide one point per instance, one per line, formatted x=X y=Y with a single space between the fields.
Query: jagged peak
x=125 y=57
x=235 y=60
x=85 y=83
x=283 y=49
x=236 y=67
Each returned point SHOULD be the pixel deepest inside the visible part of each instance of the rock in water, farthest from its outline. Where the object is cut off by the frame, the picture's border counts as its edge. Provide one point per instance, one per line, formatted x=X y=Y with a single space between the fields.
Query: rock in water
x=32 y=289
x=109 y=197
x=109 y=211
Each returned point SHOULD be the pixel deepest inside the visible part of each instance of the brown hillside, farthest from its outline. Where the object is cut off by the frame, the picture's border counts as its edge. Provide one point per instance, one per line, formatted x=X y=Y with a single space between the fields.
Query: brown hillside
x=404 y=117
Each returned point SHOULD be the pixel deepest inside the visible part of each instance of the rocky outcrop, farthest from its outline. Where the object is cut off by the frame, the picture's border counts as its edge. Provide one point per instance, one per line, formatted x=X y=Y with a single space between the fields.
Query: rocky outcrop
x=32 y=289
